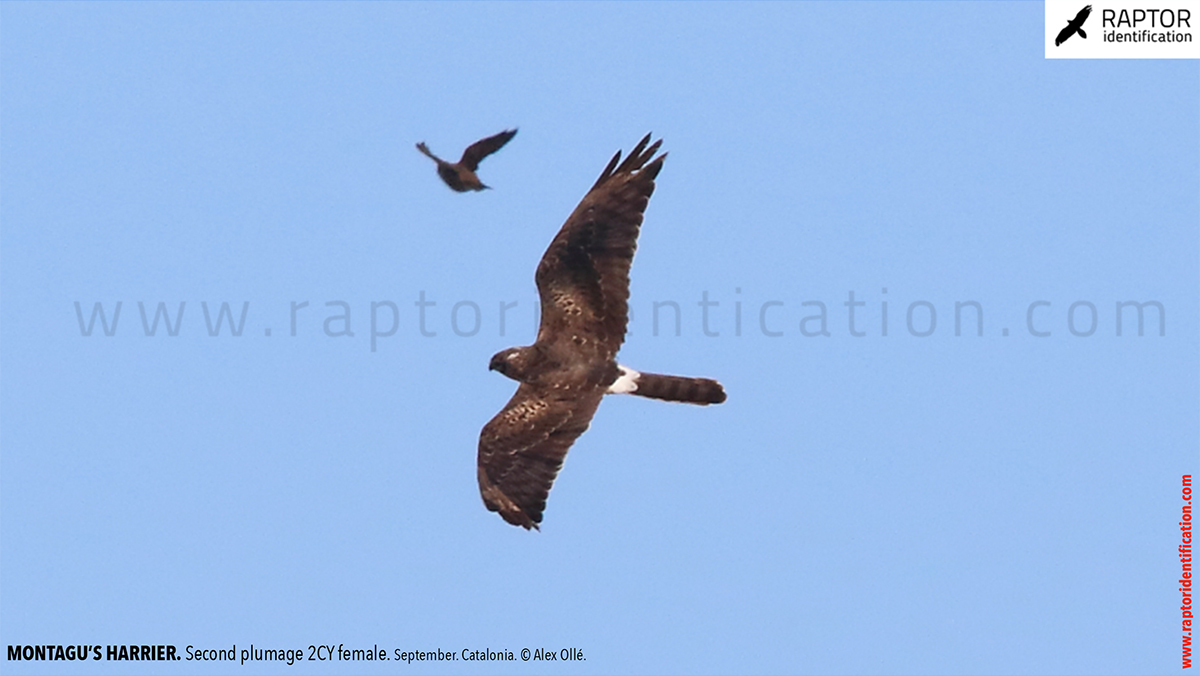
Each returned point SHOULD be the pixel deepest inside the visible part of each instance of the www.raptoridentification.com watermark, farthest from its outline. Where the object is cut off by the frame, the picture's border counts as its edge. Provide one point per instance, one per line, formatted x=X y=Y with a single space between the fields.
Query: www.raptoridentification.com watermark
x=424 y=316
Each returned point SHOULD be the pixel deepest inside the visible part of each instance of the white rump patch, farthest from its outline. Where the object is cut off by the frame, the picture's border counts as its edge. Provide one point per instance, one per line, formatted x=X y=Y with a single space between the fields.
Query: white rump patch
x=626 y=383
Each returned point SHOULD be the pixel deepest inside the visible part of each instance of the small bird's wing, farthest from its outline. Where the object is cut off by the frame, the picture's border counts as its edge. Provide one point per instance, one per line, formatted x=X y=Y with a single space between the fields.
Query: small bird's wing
x=1082 y=16
x=523 y=447
x=583 y=278
x=478 y=150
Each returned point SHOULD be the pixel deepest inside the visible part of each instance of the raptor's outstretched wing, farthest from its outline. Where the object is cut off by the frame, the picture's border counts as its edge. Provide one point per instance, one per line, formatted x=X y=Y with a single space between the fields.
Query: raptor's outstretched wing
x=523 y=447
x=583 y=278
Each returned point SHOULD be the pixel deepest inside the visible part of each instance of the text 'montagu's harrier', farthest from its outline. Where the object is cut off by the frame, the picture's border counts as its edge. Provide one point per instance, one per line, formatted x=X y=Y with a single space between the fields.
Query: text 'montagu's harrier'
x=583 y=282
x=460 y=176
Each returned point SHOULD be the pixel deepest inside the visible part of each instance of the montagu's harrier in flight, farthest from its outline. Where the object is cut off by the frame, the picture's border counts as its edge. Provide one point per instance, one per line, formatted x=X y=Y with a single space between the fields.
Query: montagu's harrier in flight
x=460 y=176
x=1074 y=26
x=583 y=282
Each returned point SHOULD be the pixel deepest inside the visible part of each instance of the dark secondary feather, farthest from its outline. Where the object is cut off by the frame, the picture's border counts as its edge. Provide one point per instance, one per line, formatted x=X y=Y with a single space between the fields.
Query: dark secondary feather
x=583 y=282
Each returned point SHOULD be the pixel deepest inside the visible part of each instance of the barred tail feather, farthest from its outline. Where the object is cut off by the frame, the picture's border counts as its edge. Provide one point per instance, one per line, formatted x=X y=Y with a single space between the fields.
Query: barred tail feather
x=701 y=391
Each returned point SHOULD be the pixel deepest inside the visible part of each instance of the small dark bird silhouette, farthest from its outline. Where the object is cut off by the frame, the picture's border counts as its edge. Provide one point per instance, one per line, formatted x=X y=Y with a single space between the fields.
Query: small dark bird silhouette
x=460 y=176
x=1074 y=26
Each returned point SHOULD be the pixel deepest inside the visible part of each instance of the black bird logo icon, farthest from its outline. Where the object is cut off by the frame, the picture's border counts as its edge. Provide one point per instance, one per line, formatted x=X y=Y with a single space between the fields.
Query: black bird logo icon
x=1074 y=26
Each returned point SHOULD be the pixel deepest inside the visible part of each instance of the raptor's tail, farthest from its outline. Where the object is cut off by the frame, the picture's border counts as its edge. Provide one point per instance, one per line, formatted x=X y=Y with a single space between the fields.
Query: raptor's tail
x=701 y=391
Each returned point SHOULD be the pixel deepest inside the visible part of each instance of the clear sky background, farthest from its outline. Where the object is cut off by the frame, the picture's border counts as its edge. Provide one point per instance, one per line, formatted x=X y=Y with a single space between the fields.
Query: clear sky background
x=995 y=504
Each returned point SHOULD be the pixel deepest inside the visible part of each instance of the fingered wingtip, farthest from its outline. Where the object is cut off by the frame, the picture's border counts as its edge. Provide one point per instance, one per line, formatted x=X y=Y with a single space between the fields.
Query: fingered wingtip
x=635 y=161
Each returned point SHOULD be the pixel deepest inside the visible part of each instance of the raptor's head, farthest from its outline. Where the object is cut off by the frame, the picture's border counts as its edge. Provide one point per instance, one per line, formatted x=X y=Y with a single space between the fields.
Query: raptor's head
x=503 y=360
x=512 y=362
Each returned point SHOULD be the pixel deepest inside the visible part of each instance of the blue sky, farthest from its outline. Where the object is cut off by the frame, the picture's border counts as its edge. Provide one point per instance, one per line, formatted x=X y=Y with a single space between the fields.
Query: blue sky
x=1003 y=503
